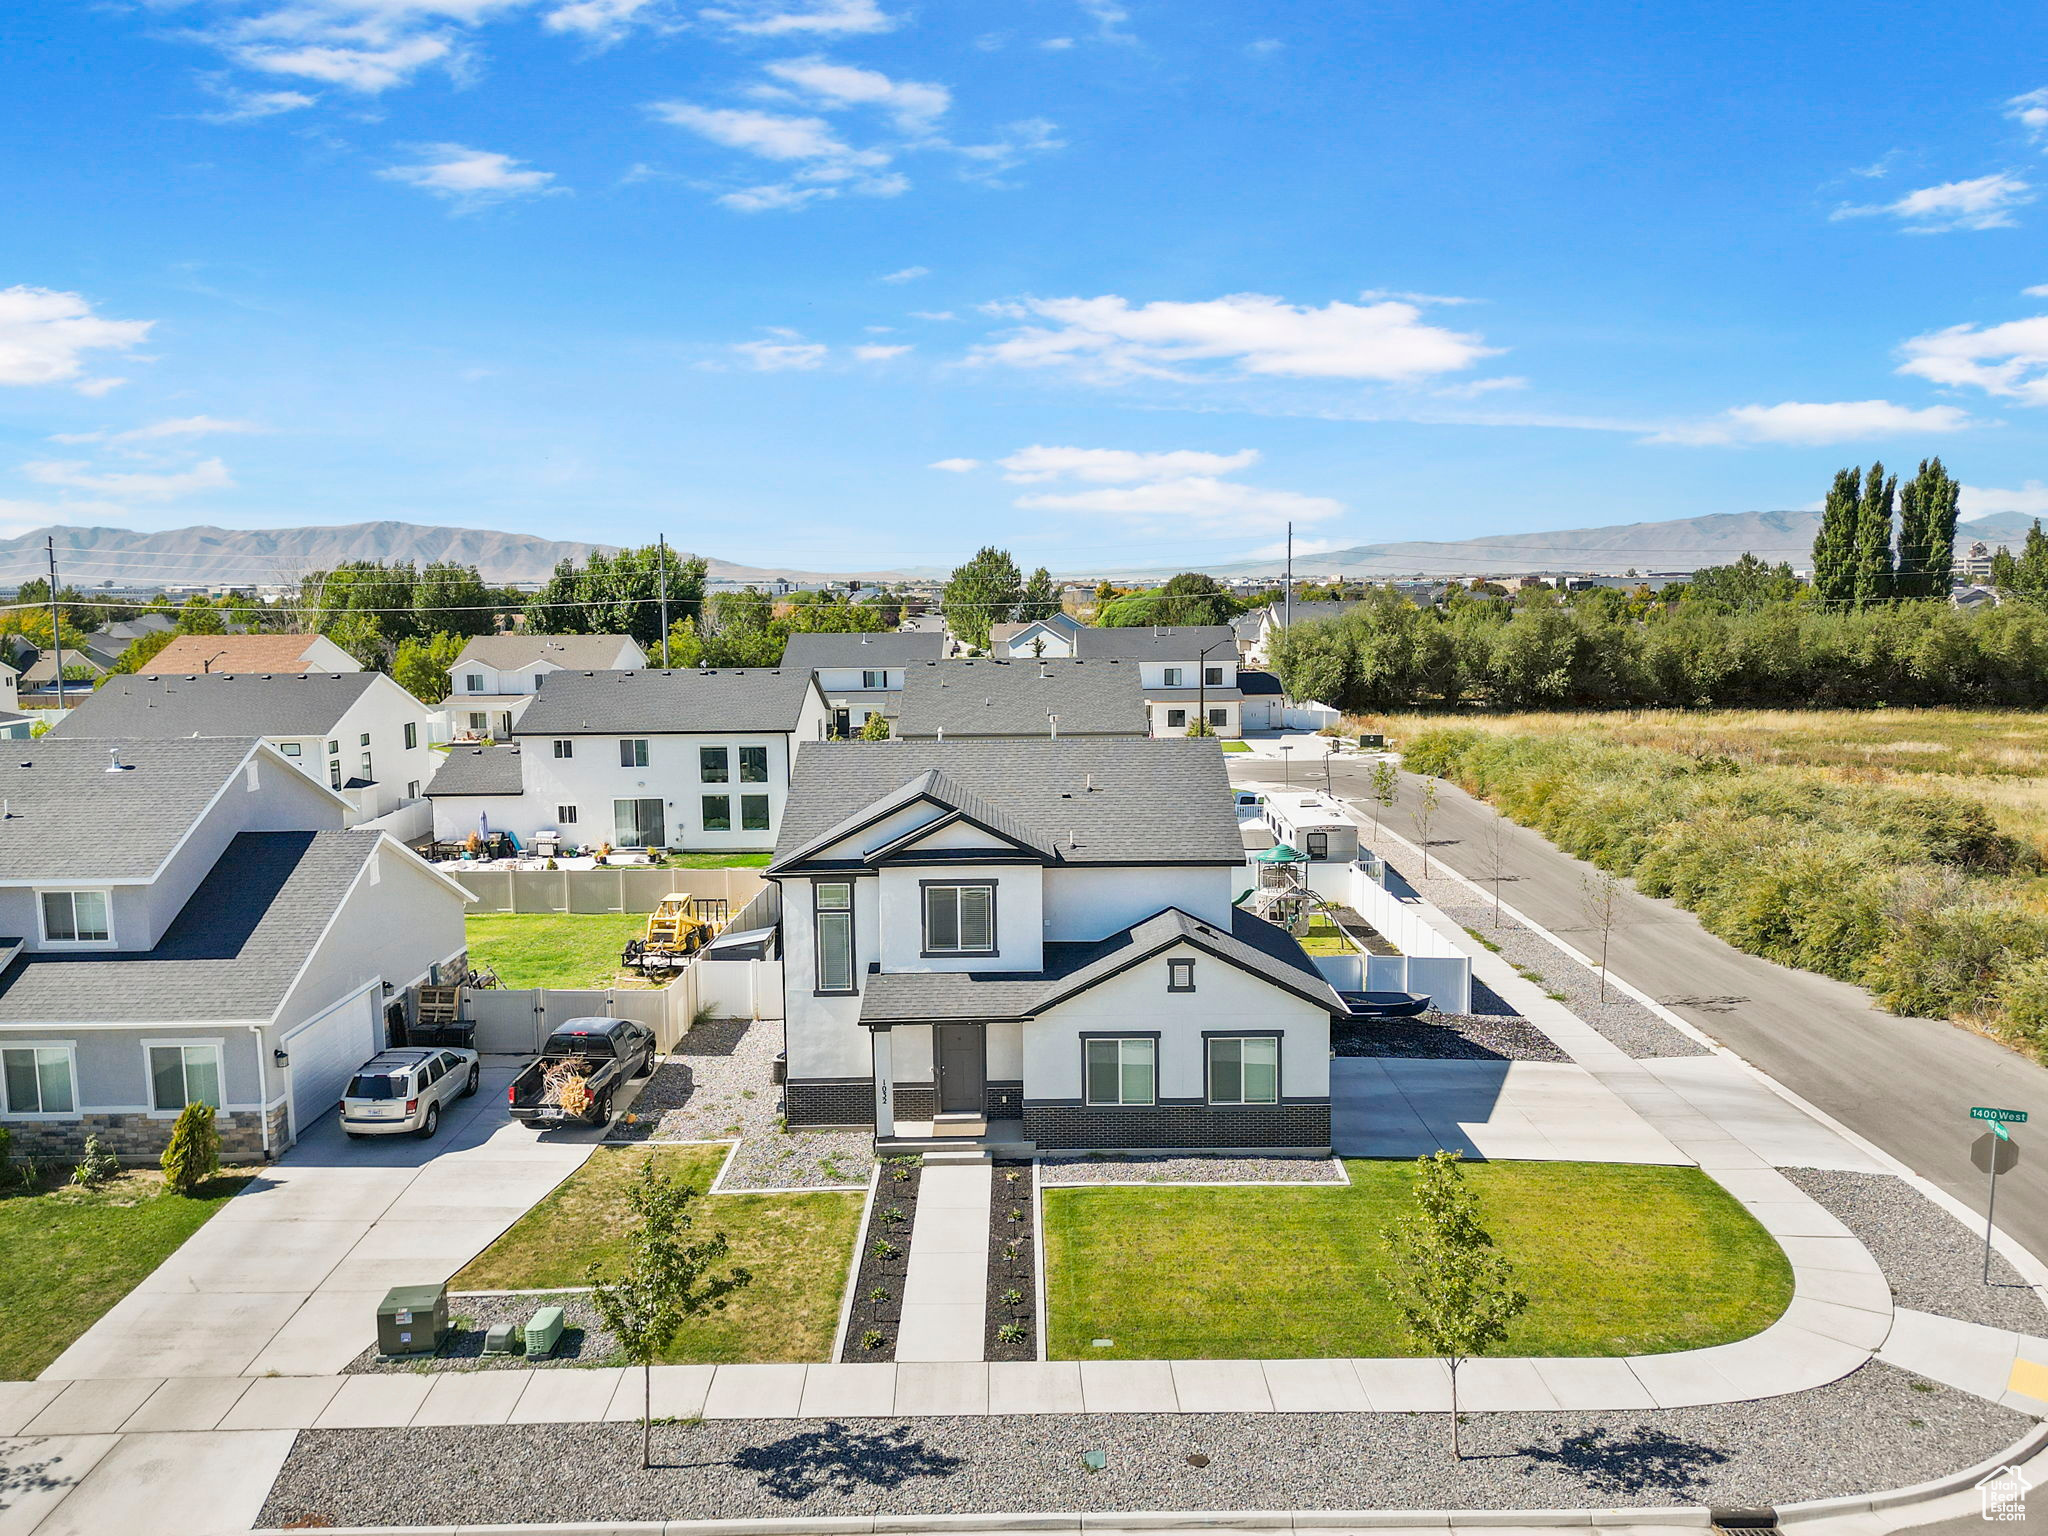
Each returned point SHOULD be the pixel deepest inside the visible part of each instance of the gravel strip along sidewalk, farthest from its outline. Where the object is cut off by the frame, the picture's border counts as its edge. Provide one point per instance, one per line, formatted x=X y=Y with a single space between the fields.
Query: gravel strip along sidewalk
x=1166 y=1169
x=1871 y=1430
x=718 y=1084
x=584 y=1340
x=1446 y=1037
x=1932 y=1262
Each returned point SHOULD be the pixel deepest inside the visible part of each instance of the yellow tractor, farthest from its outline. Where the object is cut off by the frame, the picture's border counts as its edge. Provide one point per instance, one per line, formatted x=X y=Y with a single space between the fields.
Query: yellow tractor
x=676 y=929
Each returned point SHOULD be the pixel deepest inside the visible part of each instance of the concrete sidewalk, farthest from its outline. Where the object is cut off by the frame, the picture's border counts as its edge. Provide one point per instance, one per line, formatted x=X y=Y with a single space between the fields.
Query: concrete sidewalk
x=945 y=1284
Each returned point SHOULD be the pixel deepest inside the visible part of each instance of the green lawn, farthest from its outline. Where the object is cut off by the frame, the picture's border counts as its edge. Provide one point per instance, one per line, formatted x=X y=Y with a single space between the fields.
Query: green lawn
x=1326 y=938
x=715 y=860
x=798 y=1248
x=556 y=949
x=1236 y=746
x=1616 y=1259
x=66 y=1255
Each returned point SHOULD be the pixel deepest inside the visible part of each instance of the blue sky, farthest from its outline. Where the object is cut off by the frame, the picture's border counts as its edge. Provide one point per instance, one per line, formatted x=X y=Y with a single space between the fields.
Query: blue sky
x=863 y=283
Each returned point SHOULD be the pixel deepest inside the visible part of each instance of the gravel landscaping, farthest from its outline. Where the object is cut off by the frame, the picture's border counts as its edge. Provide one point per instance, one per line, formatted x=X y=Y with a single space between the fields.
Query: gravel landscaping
x=718 y=1084
x=1103 y=1168
x=1879 y=1428
x=1436 y=1036
x=876 y=1315
x=584 y=1341
x=1932 y=1261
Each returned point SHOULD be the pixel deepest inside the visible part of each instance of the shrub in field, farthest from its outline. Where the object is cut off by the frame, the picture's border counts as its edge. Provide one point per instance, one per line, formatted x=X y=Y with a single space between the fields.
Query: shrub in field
x=2023 y=1002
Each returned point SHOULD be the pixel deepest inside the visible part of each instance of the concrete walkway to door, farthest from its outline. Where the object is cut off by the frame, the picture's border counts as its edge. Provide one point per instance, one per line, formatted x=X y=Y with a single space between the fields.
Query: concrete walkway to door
x=945 y=1288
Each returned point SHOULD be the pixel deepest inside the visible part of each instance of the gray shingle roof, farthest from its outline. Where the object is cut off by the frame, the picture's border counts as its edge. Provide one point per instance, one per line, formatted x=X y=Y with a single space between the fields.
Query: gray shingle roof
x=657 y=702
x=494 y=770
x=991 y=697
x=523 y=650
x=218 y=704
x=1252 y=684
x=1251 y=944
x=69 y=818
x=1142 y=643
x=232 y=953
x=1153 y=802
x=892 y=649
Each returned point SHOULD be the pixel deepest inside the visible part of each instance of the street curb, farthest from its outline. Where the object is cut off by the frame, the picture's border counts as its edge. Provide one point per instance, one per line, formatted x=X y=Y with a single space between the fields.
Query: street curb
x=2021 y=1450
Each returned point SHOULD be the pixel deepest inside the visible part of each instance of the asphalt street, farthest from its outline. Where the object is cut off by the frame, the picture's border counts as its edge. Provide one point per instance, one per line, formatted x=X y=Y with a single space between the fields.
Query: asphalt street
x=1906 y=1084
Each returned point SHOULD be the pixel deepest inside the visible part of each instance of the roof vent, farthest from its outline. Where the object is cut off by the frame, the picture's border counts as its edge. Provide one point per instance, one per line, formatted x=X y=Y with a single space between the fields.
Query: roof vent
x=114 y=763
x=1091 y=784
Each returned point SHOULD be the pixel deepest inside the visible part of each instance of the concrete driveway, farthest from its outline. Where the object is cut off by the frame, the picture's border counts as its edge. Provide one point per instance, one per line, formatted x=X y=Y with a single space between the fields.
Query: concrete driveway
x=1543 y=1111
x=285 y=1279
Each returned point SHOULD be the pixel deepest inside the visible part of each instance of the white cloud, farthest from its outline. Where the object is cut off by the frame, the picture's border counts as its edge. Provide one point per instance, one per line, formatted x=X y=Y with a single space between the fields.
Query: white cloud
x=819 y=18
x=366 y=69
x=470 y=178
x=157 y=431
x=878 y=354
x=1118 y=466
x=249 y=106
x=905 y=275
x=605 y=21
x=1013 y=143
x=1279 y=548
x=933 y=314
x=18 y=517
x=956 y=466
x=1057 y=44
x=1109 y=18
x=1478 y=387
x=914 y=105
x=207 y=475
x=2038 y=291
x=1985 y=202
x=2031 y=112
x=45 y=334
x=782 y=356
x=2009 y=360
x=2030 y=500
x=94 y=388
x=1881 y=167
x=1842 y=421
x=1256 y=333
x=1264 y=46
x=825 y=164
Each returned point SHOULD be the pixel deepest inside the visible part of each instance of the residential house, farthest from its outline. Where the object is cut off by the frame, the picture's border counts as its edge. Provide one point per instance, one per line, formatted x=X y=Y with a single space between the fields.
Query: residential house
x=14 y=725
x=983 y=697
x=191 y=921
x=1188 y=673
x=38 y=675
x=1033 y=945
x=358 y=733
x=640 y=759
x=257 y=653
x=1264 y=705
x=861 y=674
x=1277 y=616
x=1051 y=636
x=496 y=676
x=106 y=643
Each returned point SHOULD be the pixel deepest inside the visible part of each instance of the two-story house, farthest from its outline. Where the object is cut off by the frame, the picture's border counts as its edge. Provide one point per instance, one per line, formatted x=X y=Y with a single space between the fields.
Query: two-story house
x=1052 y=636
x=1035 y=944
x=1188 y=673
x=861 y=674
x=13 y=723
x=641 y=759
x=249 y=653
x=190 y=920
x=984 y=697
x=496 y=676
x=358 y=733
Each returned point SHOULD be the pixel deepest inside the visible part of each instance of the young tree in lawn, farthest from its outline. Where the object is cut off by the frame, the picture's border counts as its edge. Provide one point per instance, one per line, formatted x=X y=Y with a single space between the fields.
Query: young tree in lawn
x=1424 y=816
x=1600 y=894
x=1456 y=1291
x=667 y=1280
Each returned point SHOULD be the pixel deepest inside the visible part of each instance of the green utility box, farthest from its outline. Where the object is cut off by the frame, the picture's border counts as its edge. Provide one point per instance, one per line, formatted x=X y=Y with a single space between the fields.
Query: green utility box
x=543 y=1332
x=412 y=1320
x=501 y=1338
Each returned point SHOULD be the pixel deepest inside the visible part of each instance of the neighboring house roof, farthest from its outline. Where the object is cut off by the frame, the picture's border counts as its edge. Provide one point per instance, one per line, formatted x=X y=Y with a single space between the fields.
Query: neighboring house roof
x=514 y=651
x=231 y=653
x=717 y=699
x=892 y=649
x=218 y=704
x=1102 y=801
x=1253 y=684
x=1246 y=626
x=127 y=631
x=69 y=817
x=233 y=952
x=497 y=770
x=1251 y=944
x=1144 y=643
x=42 y=671
x=989 y=696
x=1063 y=621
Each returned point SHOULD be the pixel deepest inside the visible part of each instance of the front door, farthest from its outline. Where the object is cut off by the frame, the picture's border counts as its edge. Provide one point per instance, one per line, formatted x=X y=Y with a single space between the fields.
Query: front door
x=962 y=1070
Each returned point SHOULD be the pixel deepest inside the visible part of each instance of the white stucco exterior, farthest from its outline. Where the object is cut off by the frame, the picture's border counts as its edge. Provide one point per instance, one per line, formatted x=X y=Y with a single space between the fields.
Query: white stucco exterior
x=385 y=738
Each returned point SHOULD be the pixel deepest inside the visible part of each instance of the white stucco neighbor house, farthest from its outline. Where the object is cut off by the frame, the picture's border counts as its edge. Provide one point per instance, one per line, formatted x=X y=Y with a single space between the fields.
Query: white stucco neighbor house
x=696 y=759
x=1188 y=672
x=496 y=676
x=1033 y=945
x=861 y=674
x=14 y=724
x=358 y=733
x=190 y=920
x=1035 y=638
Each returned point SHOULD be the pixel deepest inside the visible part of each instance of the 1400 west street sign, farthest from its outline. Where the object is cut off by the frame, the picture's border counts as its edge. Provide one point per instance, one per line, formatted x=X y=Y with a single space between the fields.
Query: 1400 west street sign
x=2002 y=1116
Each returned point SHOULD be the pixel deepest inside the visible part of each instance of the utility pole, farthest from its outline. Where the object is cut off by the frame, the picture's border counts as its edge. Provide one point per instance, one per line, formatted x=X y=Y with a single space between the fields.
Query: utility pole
x=1287 y=591
x=56 y=633
x=661 y=544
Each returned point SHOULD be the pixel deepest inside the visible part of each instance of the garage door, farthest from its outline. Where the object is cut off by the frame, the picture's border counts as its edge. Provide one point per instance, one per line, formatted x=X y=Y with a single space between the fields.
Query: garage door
x=325 y=1053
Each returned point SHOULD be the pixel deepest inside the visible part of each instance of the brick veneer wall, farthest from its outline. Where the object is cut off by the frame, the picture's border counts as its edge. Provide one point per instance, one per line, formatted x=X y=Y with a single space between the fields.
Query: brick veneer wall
x=829 y=1101
x=1070 y=1126
x=142 y=1138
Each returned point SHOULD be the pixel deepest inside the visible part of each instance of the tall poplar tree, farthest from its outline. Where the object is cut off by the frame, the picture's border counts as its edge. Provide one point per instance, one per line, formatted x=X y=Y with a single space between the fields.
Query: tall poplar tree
x=1874 y=571
x=1927 y=532
x=1834 y=572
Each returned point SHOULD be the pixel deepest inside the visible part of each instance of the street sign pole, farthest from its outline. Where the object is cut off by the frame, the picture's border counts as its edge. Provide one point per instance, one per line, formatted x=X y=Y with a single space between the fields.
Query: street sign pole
x=1990 y=1210
x=1998 y=1120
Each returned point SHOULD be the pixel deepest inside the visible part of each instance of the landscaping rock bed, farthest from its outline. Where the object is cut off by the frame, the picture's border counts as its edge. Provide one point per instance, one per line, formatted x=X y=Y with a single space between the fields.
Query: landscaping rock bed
x=1446 y=1037
x=1012 y=1327
x=1876 y=1429
x=1932 y=1261
x=584 y=1341
x=877 y=1313
x=1103 y=1168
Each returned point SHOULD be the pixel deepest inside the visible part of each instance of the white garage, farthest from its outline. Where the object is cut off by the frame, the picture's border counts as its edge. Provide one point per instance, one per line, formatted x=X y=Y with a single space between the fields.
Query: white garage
x=325 y=1052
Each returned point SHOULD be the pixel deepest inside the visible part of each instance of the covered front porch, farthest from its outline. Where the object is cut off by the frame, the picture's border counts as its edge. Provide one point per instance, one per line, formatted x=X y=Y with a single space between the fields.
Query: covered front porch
x=950 y=1084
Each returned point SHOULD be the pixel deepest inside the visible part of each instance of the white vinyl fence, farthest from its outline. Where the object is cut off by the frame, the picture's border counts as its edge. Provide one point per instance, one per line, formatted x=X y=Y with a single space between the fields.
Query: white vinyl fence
x=514 y=1021
x=612 y=889
x=1429 y=963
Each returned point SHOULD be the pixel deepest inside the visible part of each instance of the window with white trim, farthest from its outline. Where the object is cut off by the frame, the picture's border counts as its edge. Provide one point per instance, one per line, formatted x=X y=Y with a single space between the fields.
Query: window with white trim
x=565 y=815
x=959 y=919
x=76 y=917
x=753 y=813
x=1176 y=719
x=290 y=749
x=564 y=748
x=713 y=765
x=1173 y=677
x=832 y=904
x=633 y=752
x=871 y=681
x=753 y=765
x=1244 y=1069
x=184 y=1074
x=37 y=1080
x=1120 y=1071
x=473 y=682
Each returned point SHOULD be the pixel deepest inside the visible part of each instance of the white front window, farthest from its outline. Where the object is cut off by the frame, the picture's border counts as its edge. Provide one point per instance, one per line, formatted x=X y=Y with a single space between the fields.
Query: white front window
x=1120 y=1071
x=76 y=917
x=873 y=680
x=184 y=1074
x=1244 y=1071
x=37 y=1080
x=1173 y=677
x=473 y=682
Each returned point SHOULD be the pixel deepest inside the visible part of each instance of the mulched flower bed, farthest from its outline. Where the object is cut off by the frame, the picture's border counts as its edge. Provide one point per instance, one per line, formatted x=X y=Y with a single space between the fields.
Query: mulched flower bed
x=1012 y=1286
x=877 y=1314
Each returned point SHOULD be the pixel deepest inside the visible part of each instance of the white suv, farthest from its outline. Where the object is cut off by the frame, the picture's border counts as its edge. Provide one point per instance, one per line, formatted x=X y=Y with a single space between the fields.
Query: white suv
x=403 y=1090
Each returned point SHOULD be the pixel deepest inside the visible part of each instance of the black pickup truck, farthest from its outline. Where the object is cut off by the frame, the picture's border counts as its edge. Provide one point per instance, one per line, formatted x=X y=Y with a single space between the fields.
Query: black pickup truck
x=584 y=1063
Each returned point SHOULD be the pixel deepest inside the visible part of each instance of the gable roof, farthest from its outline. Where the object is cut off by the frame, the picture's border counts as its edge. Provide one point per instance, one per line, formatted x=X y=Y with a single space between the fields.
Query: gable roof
x=656 y=702
x=493 y=770
x=68 y=817
x=233 y=952
x=893 y=648
x=1144 y=643
x=992 y=696
x=519 y=649
x=1152 y=802
x=218 y=704
x=953 y=800
x=1254 y=683
x=233 y=653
